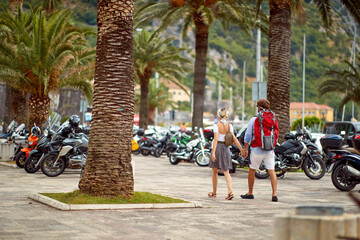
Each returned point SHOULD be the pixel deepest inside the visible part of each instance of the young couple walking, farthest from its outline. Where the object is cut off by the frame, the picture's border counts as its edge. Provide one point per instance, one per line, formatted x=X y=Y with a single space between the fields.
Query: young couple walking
x=261 y=148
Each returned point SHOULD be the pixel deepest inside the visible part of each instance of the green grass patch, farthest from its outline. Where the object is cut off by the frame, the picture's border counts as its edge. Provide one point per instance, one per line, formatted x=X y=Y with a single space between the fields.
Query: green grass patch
x=76 y=197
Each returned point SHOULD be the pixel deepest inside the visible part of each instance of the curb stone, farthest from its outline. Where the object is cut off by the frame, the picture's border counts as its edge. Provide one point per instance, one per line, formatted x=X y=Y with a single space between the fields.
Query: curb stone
x=76 y=207
x=8 y=164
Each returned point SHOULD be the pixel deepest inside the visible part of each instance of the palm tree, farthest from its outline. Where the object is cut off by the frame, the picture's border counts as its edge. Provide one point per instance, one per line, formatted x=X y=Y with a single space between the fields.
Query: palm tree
x=39 y=55
x=16 y=101
x=159 y=97
x=156 y=55
x=278 y=89
x=201 y=13
x=346 y=82
x=108 y=171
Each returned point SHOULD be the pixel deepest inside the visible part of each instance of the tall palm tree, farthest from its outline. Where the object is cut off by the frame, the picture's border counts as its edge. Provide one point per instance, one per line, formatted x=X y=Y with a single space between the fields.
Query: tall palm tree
x=39 y=55
x=156 y=55
x=159 y=97
x=346 y=82
x=278 y=90
x=16 y=102
x=201 y=13
x=108 y=171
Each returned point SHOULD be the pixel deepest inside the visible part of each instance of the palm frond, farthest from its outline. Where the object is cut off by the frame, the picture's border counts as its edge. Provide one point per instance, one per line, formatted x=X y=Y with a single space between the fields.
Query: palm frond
x=325 y=10
x=353 y=7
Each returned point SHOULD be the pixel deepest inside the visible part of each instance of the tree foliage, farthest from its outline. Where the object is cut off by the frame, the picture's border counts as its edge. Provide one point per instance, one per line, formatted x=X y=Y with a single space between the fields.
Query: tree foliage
x=309 y=122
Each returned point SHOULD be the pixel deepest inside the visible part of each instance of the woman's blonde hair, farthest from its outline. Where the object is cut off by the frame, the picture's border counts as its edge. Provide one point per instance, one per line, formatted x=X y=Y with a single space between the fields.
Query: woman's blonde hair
x=223 y=113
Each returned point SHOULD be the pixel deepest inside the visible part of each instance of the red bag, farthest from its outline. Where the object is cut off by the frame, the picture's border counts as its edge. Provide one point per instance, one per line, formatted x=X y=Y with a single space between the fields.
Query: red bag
x=266 y=131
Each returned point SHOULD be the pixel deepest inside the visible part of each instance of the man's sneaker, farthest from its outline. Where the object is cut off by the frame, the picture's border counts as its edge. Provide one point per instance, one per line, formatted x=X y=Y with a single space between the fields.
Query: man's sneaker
x=246 y=196
x=274 y=199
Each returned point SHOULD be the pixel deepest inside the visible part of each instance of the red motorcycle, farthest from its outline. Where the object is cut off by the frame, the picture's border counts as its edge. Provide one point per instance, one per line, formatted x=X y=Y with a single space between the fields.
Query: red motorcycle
x=21 y=156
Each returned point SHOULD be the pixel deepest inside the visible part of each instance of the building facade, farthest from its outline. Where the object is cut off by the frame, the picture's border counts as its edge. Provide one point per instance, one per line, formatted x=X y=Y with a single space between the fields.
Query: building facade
x=311 y=109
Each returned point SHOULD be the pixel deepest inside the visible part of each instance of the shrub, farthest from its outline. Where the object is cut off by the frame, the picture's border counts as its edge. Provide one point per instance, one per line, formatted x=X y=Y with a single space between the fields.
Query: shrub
x=309 y=122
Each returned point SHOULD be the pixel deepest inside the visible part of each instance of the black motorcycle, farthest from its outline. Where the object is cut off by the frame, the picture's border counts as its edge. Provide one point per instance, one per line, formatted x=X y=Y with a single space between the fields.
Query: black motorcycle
x=32 y=162
x=49 y=141
x=344 y=162
x=148 y=145
x=72 y=153
x=163 y=146
x=298 y=152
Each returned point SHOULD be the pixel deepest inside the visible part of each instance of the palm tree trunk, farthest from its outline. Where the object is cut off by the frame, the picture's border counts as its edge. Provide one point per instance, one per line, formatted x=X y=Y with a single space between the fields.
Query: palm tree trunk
x=151 y=115
x=201 y=45
x=15 y=3
x=39 y=108
x=108 y=170
x=19 y=105
x=8 y=114
x=144 y=98
x=278 y=90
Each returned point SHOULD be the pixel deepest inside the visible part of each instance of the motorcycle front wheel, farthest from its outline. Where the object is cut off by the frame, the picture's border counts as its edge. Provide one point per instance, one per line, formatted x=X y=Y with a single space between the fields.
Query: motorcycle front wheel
x=203 y=160
x=314 y=170
x=30 y=163
x=340 y=178
x=157 y=152
x=50 y=168
x=145 y=152
x=20 y=158
x=173 y=160
x=136 y=152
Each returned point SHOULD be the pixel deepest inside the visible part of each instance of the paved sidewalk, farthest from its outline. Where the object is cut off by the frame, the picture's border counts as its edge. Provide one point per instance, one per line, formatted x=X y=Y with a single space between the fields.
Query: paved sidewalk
x=23 y=218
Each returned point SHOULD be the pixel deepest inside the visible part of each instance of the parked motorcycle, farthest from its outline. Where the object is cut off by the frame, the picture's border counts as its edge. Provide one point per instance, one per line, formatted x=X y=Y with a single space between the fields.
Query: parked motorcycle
x=296 y=153
x=181 y=137
x=197 y=149
x=32 y=162
x=163 y=146
x=72 y=153
x=49 y=141
x=153 y=144
x=21 y=156
x=19 y=138
x=135 y=144
x=10 y=129
x=345 y=162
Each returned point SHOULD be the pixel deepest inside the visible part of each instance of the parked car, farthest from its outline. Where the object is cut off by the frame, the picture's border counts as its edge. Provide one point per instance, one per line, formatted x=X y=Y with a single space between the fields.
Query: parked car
x=346 y=129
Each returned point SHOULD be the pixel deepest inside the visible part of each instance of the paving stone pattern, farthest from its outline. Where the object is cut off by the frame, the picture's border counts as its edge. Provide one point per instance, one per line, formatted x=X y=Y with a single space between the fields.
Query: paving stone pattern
x=23 y=218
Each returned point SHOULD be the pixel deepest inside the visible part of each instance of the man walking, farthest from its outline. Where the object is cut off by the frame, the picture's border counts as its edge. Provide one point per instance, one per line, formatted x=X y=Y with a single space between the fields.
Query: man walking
x=261 y=134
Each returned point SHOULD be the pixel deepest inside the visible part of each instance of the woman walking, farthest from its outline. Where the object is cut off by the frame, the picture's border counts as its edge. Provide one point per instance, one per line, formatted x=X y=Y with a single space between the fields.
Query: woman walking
x=221 y=158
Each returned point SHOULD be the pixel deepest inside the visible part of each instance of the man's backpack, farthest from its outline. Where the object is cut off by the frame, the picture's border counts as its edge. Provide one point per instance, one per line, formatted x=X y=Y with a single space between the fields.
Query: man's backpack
x=266 y=131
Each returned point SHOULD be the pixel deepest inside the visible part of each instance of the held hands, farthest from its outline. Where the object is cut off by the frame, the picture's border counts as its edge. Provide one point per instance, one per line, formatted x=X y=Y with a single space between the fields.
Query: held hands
x=244 y=153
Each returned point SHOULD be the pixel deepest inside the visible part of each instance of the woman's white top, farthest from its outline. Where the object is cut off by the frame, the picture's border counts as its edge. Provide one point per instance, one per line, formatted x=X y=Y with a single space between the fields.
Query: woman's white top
x=221 y=137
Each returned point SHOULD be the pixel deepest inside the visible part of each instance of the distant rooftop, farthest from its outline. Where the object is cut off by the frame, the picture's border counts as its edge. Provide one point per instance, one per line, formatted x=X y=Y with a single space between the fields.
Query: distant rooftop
x=309 y=105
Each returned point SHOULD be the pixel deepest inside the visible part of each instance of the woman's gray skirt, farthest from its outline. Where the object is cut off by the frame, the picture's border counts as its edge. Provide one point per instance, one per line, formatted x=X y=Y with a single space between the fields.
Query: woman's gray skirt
x=223 y=157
